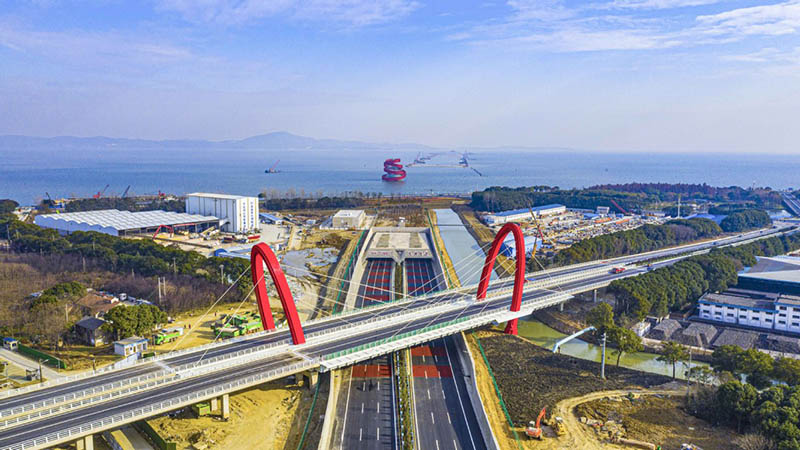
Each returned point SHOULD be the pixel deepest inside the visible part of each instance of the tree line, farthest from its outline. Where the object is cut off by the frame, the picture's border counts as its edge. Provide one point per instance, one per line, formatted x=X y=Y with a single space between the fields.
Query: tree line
x=745 y=220
x=122 y=204
x=674 y=287
x=764 y=197
x=312 y=203
x=141 y=257
x=633 y=196
x=766 y=405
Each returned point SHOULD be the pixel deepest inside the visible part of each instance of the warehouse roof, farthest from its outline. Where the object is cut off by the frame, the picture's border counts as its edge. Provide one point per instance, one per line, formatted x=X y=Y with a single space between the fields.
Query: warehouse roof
x=123 y=220
x=225 y=196
x=743 y=339
x=779 y=268
x=349 y=213
x=514 y=212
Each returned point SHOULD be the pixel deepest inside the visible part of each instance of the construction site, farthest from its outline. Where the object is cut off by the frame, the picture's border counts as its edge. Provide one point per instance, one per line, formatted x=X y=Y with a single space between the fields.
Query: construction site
x=519 y=395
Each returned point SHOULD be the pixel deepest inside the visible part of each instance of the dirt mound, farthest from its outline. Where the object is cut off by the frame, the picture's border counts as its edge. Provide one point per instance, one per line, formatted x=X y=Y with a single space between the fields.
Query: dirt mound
x=656 y=419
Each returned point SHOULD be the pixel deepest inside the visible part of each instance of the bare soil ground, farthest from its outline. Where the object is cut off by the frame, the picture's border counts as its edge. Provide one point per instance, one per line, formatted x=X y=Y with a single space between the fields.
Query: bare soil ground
x=266 y=417
x=657 y=419
x=531 y=378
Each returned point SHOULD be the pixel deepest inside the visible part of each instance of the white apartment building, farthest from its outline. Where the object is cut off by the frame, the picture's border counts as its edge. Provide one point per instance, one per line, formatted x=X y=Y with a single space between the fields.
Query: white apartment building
x=767 y=310
x=239 y=213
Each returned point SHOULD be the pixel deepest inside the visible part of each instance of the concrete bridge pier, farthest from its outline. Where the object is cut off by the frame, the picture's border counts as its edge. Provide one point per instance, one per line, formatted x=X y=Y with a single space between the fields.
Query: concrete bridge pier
x=85 y=443
x=310 y=378
x=594 y=296
x=214 y=403
x=226 y=406
x=561 y=306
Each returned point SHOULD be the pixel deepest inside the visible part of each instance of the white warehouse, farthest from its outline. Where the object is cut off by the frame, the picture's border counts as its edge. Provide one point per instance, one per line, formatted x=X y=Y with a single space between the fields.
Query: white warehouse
x=239 y=214
x=349 y=218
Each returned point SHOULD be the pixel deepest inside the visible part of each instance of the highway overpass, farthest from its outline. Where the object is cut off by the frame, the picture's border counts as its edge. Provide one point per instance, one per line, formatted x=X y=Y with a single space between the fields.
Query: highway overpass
x=54 y=413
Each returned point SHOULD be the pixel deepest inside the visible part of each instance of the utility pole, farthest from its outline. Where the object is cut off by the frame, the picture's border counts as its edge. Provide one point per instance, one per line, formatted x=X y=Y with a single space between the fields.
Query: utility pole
x=158 y=279
x=679 y=206
x=689 y=373
x=603 y=362
x=40 y=372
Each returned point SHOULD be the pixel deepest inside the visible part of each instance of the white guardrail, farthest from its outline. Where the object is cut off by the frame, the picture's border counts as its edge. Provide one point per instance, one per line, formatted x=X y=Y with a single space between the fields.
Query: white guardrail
x=500 y=315
x=130 y=385
x=157 y=408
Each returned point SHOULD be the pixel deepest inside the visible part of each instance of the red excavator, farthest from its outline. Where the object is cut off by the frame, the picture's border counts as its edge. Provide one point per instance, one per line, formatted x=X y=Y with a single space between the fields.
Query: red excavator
x=534 y=429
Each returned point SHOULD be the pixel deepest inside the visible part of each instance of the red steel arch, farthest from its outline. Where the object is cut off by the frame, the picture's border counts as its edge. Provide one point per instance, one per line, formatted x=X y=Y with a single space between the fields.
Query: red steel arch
x=260 y=254
x=519 y=273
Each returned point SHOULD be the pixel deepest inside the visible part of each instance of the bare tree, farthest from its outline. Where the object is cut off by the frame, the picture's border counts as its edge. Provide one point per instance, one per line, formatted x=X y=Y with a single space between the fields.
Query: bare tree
x=753 y=441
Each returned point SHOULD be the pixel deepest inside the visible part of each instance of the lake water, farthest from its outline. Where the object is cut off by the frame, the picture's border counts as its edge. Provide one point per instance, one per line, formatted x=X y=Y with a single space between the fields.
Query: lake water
x=546 y=337
x=464 y=251
x=26 y=175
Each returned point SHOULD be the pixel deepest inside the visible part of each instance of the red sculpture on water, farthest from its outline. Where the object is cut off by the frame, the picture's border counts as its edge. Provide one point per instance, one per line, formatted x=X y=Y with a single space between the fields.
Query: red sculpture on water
x=258 y=255
x=394 y=170
x=519 y=273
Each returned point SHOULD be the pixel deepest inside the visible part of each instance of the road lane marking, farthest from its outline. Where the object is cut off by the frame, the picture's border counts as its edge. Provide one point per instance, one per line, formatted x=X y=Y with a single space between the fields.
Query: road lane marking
x=433 y=419
x=458 y=394
x=455 y=446
x=360 y=430
x=448 y=418
x=379 y=433
x=437 y=444
x=429 y=394
x=362 y=407
x=378 y=407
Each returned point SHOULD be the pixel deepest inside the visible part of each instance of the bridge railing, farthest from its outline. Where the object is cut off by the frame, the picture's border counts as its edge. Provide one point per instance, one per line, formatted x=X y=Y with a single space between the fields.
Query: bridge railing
x=160 y=407
x=111 y=368
x=127 y=386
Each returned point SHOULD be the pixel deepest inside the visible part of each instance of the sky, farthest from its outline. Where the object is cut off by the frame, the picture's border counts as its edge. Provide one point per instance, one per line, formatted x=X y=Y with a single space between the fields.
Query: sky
x=613 y=75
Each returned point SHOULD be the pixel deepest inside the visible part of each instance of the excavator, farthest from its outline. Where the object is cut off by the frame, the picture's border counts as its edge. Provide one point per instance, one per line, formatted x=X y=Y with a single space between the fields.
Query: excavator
x=534 y=429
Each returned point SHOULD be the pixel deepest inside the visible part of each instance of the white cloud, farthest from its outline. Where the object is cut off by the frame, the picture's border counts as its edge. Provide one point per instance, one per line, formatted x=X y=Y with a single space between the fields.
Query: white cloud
x=777 y=19
x=80 y=47
x=351 y=12
x=656 y=4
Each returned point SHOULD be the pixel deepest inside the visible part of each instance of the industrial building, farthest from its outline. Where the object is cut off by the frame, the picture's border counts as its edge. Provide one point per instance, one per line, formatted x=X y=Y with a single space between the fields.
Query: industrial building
x=765 y=310
x=521 y=215
x=349 y=218
x=778 y=274
x=120 y=223
x=509 y=247
x=238 y=214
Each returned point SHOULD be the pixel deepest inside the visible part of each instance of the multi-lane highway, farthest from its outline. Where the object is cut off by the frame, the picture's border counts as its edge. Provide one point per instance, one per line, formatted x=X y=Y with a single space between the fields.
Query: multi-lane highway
x=357 y=329
x=443 y=411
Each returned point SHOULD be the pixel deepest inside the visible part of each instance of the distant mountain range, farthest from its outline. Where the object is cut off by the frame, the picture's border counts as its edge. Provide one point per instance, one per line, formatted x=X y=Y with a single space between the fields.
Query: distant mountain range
x=270 y=141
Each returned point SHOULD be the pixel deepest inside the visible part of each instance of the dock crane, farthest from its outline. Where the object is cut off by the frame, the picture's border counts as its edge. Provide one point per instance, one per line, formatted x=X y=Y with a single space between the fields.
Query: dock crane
x=100 y=193
x=273 y=168
x=620 y=208
x=125 y=194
